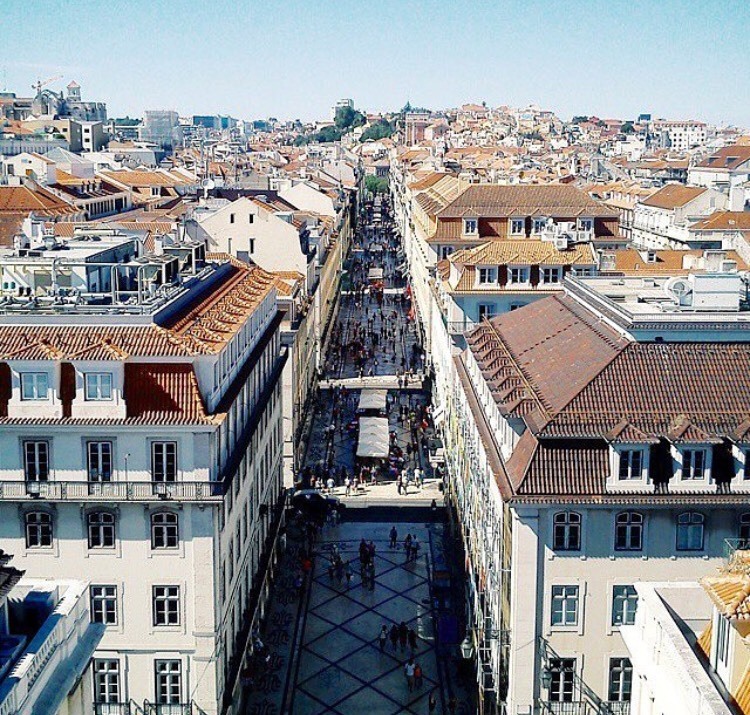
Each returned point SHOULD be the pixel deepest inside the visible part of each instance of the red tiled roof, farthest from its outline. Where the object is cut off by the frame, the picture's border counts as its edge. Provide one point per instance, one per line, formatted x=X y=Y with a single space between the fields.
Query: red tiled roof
x=673 y=196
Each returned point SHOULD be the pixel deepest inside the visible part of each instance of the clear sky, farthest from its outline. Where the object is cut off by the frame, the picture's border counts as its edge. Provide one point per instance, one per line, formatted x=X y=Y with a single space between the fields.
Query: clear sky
x=250 y=59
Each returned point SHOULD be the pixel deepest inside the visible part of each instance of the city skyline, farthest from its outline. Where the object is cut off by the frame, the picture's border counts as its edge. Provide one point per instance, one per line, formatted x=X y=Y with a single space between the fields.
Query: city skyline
x=609 y=60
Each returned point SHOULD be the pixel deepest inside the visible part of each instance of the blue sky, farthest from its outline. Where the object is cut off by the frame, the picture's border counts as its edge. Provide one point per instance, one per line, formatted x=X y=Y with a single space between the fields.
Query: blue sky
x=612 y=58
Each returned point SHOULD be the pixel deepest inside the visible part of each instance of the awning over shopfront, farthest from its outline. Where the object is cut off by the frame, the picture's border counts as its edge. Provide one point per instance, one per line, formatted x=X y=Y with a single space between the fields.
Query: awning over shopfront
x=375 y=274
x=374 y=441
x=372 y=400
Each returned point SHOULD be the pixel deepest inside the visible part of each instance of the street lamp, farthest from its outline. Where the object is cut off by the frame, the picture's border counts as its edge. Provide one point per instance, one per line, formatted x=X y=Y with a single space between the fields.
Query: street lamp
x=467 y=648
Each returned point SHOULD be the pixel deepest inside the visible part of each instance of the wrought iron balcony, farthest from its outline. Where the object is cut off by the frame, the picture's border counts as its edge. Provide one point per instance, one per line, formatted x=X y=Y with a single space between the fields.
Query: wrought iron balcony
x=111 y=491
x=570 y=707
x=170 y=709
x=116 y=709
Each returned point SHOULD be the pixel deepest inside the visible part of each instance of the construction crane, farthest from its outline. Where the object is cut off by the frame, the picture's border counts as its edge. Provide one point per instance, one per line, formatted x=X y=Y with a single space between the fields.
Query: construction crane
x=39 y=84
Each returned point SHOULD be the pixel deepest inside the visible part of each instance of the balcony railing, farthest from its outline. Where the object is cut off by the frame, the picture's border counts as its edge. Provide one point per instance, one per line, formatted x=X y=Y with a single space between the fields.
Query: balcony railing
x=171 y=709
x=114 y=491
x=584 y=707
x=116 y=709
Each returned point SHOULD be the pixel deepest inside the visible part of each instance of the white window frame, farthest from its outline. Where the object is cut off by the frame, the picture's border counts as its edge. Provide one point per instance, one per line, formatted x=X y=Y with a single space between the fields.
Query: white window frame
x=164 y=446
x=491 y=273
x=490 y=310
x=166 y=529
x=620 y=666
x=170 y=596
x=98 y=387
x=40 y=527
x=686 y=523
x=107 y=684
x=586 y=224
x=36 y=469
x=626 y=457
x=96 y=452
x=573 y=521
x=37 y=384
x=168 y=672
x=565 y=595
x=688 y=475
x=101 y=530
x=523 y=272
x=511 y=226
x=471 y=223
x=553 y=271
x=103 y=604
x=630 y=526
x=565 y=675
x=538 y=225
x=626 y=597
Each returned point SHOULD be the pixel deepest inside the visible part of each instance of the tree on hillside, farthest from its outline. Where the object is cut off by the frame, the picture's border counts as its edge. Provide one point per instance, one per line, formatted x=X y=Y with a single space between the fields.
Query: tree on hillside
x=580 y=119
x=376 y=185
x=380 y=130
x=627 y=128
x=347 y=117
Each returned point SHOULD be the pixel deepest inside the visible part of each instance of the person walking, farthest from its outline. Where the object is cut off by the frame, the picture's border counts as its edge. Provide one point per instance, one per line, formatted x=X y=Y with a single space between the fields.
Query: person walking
x=432 y=703
x=412 y=641
x=393 y=635
x=414 y=548
x=409 y=673
x=394 y=537
x=407 y=547
x=403 y=635
x=383 y=637
x=417 y=675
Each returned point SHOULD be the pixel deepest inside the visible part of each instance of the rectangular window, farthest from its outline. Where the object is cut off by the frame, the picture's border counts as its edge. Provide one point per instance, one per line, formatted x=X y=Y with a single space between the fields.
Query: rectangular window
x=103 y=604
x=98 y=386
x=251 y=245
x=486 y=310
x=746 y=469
x=624 y=605
x=551 y=275
x=231 y=218
x=690 y=531
x=168 y=682
x=487 y=275
x=585 y=224
x=99 y=457
x=34 y=385
x=518 y=275
x=629 y=531
x=565 y=605
x=166 y=605
x=566 y=534
x=36 y=461
x=693 y=464
x=470 y=226
x=631 y=464
x=517 y=226
x=38 y=530
x=562 y=681
x=620 y=679
x=106 y=682
x=164 y=461
x=250 y=218
x=539 y=225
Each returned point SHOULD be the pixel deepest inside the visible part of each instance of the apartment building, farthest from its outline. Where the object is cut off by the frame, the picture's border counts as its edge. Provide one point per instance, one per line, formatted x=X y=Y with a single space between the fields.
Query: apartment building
x=595 y=439
x=726 y=170
x=141 y=443
x=663 y=219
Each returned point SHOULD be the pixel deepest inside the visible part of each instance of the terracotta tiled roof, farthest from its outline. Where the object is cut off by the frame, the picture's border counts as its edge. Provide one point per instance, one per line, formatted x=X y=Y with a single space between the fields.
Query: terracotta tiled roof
x=427 y=181
x=729 y=157
x=164 y=394
x=555 y=200
x=730 y=593
x=203 y=329
x=673 y=196
x=724 y=221
x=137 y=178
x=16 y=199
x=667 y=262
x=525 y=252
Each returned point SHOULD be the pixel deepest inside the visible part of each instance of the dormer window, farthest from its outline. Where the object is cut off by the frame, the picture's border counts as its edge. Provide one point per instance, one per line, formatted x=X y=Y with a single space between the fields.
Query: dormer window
x=487 y=275
x=34 y=386
x=156 y=191
x=471 y=226
x=98 y=386
x=586 y=224
x=694 y=464
x=551 y=275
x=539 y=225
x=518 y=274
x=631 y=464
x=517 y=226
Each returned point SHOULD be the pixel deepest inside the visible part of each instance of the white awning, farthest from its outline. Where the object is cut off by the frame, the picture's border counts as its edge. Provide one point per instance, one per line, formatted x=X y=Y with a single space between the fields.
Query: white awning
x=374 y=440
x=372 y=400
x=375 y=274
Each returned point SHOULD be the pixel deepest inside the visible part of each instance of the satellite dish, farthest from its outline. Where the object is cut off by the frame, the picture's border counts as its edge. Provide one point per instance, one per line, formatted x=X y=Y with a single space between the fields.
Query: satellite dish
x=208 y=183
